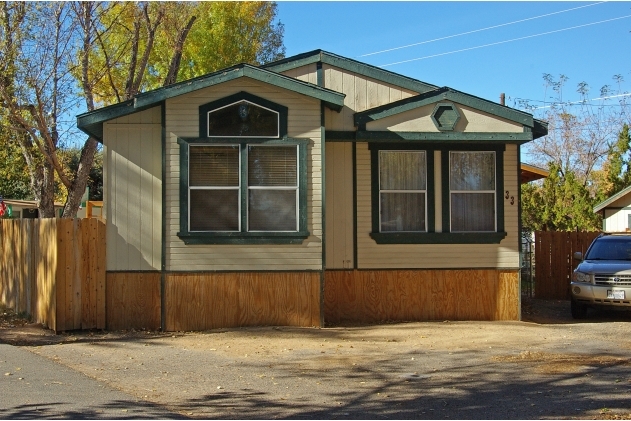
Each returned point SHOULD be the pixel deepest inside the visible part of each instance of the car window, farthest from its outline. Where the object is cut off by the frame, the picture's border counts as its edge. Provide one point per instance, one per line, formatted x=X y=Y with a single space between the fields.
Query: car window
x=610 y=249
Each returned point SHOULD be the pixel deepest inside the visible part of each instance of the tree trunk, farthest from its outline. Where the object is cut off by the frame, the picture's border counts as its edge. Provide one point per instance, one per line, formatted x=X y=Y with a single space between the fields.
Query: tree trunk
x=75 y=193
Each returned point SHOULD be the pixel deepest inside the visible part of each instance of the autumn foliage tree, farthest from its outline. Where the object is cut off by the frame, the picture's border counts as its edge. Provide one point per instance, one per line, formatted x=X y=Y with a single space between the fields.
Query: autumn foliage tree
x=58 y=58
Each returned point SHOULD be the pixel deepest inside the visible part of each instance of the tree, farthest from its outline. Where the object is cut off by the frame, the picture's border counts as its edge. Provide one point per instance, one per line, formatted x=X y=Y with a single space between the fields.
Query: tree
x=560 y=203
x=53 y=55
x=36 y=88
x=616 y=171
x=580 y=134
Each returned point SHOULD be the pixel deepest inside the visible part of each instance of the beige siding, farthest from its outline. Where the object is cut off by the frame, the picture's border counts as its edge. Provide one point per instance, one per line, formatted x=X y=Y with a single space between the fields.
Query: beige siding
x=426 y=256
x=133 y=191
x=361 y=92
x=339 y=205
x=182 y=119
x=306 y=73
x=419 y=120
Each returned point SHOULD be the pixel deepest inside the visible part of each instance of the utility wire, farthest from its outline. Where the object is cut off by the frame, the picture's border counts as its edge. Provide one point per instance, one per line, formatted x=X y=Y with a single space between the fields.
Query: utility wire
x=579 y=102
x=479 y=30
x=503 y=42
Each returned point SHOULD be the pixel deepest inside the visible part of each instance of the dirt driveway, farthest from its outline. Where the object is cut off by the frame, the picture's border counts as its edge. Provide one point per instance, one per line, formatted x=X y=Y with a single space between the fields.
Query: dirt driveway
x=547 y=366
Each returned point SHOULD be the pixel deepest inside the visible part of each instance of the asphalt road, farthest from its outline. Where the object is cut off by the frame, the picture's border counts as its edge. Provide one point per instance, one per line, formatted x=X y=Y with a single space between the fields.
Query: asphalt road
x=548 y=367
x=36 y=387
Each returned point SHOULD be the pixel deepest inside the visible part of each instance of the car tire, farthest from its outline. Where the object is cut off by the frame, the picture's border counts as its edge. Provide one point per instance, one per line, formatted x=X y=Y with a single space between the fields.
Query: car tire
x=579 y=311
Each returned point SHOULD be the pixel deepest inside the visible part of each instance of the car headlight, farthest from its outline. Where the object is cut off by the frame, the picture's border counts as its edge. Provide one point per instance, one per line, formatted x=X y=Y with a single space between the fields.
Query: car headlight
x=582 y=277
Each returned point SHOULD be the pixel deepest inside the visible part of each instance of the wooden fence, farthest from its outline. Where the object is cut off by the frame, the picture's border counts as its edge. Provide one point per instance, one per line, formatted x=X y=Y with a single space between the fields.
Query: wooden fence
x=554 y=262
x=54 y=270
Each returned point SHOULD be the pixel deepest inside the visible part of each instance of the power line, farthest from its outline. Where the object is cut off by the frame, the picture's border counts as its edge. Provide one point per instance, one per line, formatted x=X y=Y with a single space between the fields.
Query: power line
x=503 y=42
x=583 y=101
x=479 y=30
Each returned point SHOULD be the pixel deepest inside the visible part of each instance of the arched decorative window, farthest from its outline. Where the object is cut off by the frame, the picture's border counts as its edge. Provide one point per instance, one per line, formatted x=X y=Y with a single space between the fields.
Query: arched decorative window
x=243 y=180
x=243 y=115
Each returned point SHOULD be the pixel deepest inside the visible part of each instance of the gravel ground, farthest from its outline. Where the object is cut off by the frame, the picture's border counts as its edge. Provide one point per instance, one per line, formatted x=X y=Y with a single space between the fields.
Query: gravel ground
x=547 y=366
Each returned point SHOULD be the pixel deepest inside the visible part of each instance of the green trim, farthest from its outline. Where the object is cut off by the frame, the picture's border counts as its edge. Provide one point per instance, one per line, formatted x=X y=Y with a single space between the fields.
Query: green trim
x=92 y=122
x=355 y=250
x=386 y=136
x=430 y=223
x=332 y=99
x=437 y=123
x=485 y=137
x=540 y=128
x=320 y=81
x=244 y=237
x=340 y=136
x=443 y=94
x=438 y=237
x=213 y=105
x=163 y=241
x=350 y=65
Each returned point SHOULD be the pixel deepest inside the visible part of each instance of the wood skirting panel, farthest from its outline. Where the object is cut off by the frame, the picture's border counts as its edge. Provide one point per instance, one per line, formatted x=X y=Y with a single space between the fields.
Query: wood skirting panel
x=201 y=301
x=133 y=300
x=414 y=295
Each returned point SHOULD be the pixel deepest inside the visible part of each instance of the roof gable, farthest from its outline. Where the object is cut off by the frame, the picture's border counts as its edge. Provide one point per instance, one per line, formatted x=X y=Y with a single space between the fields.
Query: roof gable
x=443 y=94
x=92 y=122
x=350 y=65
x=612 y=199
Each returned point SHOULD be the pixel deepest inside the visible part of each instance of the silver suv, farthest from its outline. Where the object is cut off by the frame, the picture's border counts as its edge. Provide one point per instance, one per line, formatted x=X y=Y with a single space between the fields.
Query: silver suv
x=603 y=277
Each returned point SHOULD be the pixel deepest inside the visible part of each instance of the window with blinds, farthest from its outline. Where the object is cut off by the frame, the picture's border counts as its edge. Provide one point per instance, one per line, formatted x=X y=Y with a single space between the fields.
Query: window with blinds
x=214 y=188
x=272 y=188
x=216 y=185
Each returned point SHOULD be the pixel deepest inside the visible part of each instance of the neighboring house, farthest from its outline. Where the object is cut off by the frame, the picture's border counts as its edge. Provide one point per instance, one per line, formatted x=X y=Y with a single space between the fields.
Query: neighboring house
x=531 y=173
x=616 y=211
x=28 y=208
x=315 y=189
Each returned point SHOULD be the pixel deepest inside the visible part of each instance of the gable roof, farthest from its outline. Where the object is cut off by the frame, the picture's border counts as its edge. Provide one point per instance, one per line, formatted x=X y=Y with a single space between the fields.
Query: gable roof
x=351 y=65
x=612 y=199
x=92 y=122
x=539 y=128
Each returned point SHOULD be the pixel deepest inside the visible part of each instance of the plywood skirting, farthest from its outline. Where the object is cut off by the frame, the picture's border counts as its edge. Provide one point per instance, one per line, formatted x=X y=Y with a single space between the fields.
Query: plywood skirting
x=133 y=300
x=217 y=300
x=414 y=295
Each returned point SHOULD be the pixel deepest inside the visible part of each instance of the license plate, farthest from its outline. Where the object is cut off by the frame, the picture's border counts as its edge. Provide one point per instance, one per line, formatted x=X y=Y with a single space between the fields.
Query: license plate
x=615 y=294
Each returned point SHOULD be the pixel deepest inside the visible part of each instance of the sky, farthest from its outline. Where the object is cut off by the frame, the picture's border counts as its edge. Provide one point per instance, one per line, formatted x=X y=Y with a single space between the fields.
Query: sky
x=529 y=39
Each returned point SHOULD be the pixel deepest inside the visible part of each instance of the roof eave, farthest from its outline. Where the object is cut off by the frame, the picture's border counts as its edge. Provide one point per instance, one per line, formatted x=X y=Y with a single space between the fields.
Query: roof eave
x=611 y=199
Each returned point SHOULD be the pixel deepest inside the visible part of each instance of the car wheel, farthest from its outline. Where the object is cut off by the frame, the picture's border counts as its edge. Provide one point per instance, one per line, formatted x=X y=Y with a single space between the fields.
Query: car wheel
x=579 y=311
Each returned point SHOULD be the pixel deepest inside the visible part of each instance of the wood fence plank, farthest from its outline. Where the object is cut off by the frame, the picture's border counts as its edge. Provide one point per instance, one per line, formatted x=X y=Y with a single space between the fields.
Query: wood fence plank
x=100 y=269
x=77 y=272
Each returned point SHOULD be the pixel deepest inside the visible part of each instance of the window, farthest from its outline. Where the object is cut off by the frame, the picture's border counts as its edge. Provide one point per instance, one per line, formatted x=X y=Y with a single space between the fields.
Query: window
x=472 y=191
x=402 y=191
x=404 y=203
x=241 y=183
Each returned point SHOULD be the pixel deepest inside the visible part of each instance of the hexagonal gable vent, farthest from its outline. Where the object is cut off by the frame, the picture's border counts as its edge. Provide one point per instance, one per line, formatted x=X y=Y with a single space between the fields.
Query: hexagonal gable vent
x=445 y=116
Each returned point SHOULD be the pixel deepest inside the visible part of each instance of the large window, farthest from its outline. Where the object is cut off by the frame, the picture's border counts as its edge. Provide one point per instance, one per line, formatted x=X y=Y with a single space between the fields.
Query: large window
x=404 y=206
x=243 y=180
x=216 y=183
x=402 y=191
x=472 y=191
